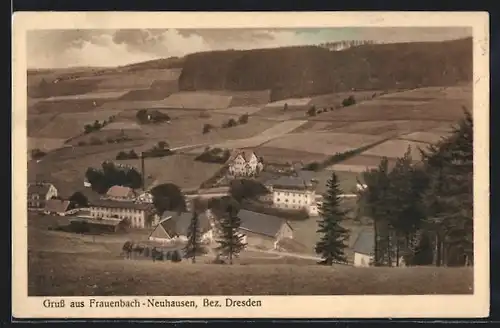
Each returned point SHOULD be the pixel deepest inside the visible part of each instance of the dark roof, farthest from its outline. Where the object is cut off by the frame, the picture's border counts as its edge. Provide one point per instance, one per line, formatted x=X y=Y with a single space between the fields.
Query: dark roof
x=38 y=188
x=120 y=204
x=57 y=205
x=307 y=175
x=178 y=223
x=289 y=182
x=365 y=243
x=259 y=223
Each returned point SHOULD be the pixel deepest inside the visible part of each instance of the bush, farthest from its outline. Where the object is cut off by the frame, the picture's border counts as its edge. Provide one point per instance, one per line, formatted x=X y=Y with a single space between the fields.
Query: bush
x=243 y=119
x=121 y=155
x=349 y=101
x=230 y=123
x=37 y=153
x=207 y=128
x=205 y=115
x=214 y=155
x=312 y=111
x=110 y=140
x=82 y=143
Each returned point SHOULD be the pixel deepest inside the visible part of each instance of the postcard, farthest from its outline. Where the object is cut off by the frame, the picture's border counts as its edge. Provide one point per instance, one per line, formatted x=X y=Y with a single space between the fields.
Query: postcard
x=250 y=165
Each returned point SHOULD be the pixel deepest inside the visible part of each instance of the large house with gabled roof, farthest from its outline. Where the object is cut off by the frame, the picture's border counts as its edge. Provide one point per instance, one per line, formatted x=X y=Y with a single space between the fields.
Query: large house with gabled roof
x=39 y=193
x=245 y=164
x=296 y=192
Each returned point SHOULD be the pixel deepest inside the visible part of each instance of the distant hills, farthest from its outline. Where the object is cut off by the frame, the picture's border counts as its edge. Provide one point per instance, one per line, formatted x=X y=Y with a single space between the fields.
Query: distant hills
x=307 y=70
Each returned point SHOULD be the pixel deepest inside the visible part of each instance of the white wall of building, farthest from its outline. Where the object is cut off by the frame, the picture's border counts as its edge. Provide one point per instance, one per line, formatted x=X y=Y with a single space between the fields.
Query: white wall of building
x=137 y=217
x=362 y=260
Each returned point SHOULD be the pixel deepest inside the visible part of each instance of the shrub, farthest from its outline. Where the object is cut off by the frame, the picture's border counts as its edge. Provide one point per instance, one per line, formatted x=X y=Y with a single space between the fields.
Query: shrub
x=121 y=155
x=205 y=115
x=313 y=166
x=312 y=111
x=110 y=140
x=230 y=123
x=349 y=101
x=207 y=128
x=82 y=143
x=214 y=155
x=87 y=129
x=243 y=119
x=37 y=153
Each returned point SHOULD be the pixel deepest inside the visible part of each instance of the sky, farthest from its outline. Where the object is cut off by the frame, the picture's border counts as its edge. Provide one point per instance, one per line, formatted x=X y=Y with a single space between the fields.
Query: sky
x=105 y=48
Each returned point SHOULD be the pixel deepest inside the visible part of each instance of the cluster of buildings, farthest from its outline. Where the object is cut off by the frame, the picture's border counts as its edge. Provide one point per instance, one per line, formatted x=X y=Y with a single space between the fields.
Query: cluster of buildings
x=123 y=204
x=296 y=191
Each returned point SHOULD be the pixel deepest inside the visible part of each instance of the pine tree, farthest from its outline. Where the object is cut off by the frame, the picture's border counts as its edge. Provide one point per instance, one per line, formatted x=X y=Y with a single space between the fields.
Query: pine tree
x=405 y=194
x=376 y=203
x=193 y=246
x=449 y=198
x=332 y=244
x=230 y=240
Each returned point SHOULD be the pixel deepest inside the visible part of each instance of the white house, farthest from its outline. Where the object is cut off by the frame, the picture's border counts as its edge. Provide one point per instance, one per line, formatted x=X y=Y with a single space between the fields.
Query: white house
x=39 y=193
x=139 y=215
x=294 y=193
x=245 y=164
x=174 y=227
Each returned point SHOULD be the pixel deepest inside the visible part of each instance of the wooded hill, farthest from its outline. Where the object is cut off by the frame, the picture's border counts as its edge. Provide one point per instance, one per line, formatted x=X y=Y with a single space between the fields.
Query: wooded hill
x=311 y=70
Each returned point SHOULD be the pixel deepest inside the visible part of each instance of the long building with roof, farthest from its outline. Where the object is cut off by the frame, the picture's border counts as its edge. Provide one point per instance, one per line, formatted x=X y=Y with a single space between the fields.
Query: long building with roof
x=296 y=192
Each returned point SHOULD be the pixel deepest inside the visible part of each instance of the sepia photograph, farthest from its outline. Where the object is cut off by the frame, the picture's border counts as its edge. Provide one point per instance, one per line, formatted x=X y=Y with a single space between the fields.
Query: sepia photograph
x=200 y=168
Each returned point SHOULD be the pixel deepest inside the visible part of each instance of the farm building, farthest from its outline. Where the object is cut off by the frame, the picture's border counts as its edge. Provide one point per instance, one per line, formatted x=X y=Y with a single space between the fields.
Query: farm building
x=139 y=215
x=262 y=230
x=120 y=193
x=294 y=192
x=174 y=226
x=59 y=207
x=364 y=249
x=245 y=164
x=39 y=193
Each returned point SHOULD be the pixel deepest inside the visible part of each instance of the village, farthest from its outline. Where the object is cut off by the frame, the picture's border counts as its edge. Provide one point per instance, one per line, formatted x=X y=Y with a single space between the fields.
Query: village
x=295 y=192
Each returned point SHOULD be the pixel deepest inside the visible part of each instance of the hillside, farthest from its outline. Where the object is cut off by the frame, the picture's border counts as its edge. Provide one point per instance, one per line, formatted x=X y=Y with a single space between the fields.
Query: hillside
x=310 y=70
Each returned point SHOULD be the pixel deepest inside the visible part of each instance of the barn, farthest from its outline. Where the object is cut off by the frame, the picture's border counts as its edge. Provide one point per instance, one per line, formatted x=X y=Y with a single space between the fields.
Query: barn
x=174 y=227
x=263 y=230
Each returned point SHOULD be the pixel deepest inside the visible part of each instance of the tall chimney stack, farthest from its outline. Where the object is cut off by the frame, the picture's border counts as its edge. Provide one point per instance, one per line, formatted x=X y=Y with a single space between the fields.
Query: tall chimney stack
x=142 y=172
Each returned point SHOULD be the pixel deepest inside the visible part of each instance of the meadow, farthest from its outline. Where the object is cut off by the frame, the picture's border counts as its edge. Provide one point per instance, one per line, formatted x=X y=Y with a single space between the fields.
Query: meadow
x=327 y=143
x=66 y=264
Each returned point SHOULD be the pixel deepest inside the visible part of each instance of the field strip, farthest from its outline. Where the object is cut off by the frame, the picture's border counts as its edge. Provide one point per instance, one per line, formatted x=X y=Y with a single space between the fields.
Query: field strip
x=276 y=131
